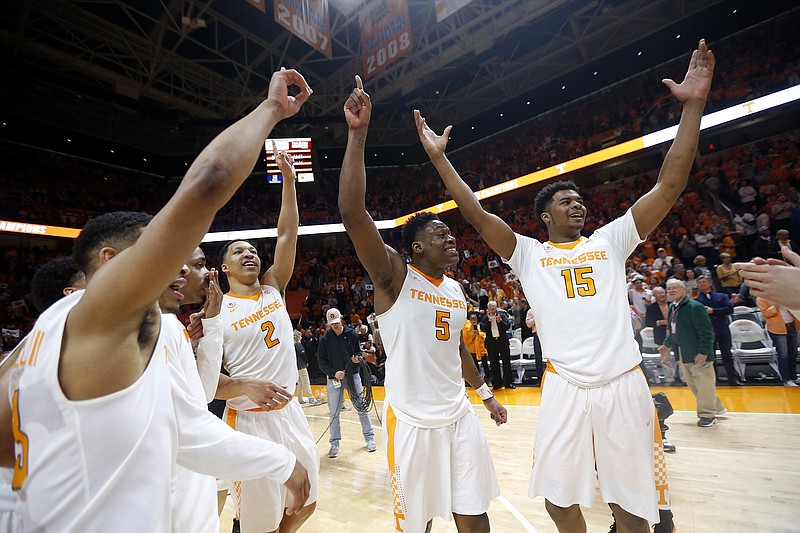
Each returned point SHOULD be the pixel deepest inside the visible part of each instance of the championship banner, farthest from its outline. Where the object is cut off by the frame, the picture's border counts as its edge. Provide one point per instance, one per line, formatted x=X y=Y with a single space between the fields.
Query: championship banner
x=37 y=229
x=385 y=34
x=258 y=4
x=445 y=8
x=307 y=19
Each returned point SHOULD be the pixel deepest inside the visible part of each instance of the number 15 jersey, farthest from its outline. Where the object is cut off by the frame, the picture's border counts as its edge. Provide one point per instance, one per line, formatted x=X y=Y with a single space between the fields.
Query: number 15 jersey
x=421 y=333
x=579 y=295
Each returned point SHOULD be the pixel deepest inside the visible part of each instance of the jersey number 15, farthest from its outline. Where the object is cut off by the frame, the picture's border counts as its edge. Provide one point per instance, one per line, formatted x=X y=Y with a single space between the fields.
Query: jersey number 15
x=577 y=280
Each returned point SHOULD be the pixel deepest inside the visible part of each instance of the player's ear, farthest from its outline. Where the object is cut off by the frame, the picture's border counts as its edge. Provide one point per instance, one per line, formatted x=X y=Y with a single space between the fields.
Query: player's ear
x=417 y=247
x=545 y=217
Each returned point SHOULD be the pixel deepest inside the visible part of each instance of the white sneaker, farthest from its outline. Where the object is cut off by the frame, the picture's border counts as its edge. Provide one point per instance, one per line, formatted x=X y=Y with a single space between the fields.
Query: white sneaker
x=371 y=446
x=313 y=401
x=346 y=407
x=302 y=400
x=791 y=384
x=334 y=451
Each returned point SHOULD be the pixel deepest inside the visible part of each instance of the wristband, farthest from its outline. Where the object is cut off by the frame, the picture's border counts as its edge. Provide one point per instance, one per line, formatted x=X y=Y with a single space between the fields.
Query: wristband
x=484 y=392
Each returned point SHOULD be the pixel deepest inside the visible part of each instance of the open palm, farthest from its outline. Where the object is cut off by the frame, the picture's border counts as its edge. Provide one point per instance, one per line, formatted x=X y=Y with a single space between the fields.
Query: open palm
x=433 y=144
x=697 y=82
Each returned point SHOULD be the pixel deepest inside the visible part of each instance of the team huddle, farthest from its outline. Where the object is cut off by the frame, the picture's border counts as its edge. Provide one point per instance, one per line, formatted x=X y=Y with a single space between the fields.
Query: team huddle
x=106 y=427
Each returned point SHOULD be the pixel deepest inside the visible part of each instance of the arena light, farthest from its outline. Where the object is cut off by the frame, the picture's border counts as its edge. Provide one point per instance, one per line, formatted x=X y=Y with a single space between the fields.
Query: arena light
x=266 y=233
x=730 y=114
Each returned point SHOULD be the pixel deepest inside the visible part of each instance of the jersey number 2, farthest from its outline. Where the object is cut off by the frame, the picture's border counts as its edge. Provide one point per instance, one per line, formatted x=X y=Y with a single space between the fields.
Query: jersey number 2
x=578 y=280
x=269 y=328
x=442 y=327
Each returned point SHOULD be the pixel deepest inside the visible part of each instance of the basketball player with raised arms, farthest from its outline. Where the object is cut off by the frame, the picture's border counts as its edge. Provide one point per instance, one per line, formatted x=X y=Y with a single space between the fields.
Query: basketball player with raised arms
x=95 y=420
x=438 y=456
x=258 y=352
x=597 y=418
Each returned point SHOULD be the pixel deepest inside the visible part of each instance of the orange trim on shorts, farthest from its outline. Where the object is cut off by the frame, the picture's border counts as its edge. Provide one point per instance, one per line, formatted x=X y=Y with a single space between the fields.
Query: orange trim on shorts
x=259 y=409
x=390 y=425
x=549 y=368
x=231 y=418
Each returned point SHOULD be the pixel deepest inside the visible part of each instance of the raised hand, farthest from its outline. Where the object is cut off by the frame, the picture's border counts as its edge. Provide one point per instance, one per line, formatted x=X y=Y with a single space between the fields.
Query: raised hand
x=285 y=163
x=358 y=107
x=697 y=82
x=433 y=144
x=195 y=327
x=279 y=91
x=213 y=303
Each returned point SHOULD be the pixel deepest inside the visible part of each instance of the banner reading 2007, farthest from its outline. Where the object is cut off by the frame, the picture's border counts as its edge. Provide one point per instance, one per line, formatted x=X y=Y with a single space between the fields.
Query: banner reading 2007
x=385 y=34
x=308 y=19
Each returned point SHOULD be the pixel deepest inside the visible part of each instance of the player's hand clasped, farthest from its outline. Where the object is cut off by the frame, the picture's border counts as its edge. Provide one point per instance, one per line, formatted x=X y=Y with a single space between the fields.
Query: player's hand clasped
x=267 y=394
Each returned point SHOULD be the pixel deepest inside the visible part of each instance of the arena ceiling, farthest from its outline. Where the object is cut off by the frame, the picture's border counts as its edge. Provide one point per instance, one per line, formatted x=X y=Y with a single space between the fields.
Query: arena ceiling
x=162 y=77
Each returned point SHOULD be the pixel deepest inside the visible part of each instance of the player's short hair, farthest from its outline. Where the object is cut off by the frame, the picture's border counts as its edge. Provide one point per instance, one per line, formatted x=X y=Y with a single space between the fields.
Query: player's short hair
x=545 y=196
x=110 y=229
x=413 y=227
x=224 y=284
x=49 y=282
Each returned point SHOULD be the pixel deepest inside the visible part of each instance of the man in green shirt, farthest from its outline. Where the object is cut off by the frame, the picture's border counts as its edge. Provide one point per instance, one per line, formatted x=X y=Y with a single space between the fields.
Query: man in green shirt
x=691 y=335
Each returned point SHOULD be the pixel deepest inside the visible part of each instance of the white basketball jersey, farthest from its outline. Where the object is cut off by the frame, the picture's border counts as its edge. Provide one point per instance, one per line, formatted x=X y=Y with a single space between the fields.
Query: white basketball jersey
x=194 y=496
x=258 y=341
x=579 y=295
x=94 y=465
x=421 y=334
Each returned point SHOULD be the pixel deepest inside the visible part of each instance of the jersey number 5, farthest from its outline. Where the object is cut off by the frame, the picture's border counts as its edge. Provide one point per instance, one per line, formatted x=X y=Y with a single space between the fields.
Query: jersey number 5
x=269 y=328
x=21 y=459
x=578 y=280
x=442 y=327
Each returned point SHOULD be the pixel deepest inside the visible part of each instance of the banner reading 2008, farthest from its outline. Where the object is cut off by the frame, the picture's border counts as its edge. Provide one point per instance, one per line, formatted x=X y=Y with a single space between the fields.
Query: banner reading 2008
x=385 y=34
x=308 y=19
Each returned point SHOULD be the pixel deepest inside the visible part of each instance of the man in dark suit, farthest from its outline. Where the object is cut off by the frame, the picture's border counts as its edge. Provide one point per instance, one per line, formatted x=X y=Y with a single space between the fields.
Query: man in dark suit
x=496 y=323
x=719 y=309
x=656 y=318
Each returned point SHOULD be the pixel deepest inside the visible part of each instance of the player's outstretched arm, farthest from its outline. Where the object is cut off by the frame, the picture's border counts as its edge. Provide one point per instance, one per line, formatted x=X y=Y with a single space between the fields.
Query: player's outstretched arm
x=775 y=280
x=152 y=263
x=497 y=234
x=385 y=266
x=650 y=209
x=279 y=274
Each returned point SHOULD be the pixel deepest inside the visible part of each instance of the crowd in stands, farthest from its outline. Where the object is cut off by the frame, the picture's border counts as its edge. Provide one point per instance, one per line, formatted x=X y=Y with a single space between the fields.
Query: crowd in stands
x=740 y=203
x=765 y=62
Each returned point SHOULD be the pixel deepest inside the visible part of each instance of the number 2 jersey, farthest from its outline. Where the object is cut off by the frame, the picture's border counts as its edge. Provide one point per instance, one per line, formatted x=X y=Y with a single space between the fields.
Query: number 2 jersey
x=258 y=341
x=578 y=293
x=421 y=334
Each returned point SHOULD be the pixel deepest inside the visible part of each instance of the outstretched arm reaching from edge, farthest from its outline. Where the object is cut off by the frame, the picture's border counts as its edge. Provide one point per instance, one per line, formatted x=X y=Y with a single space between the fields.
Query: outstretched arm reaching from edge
x=497 y=234
x=102 y=335
x=650 y=209
x=385 y=266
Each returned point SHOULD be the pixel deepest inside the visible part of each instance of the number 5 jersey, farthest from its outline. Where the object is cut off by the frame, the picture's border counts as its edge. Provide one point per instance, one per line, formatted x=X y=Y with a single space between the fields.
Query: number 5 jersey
x=421 y=334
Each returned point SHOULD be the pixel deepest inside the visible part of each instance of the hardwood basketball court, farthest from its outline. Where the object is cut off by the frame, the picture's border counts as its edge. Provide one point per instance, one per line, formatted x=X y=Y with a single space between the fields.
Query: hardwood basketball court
x=741 y=475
